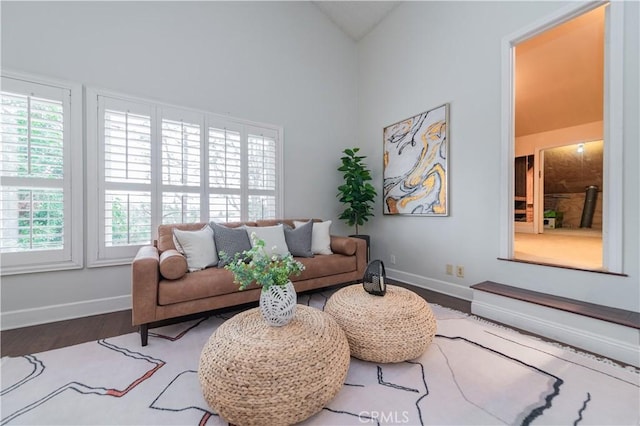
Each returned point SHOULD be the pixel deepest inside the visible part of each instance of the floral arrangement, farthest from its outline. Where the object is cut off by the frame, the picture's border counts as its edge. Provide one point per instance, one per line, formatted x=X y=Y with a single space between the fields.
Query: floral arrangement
x=255 y=266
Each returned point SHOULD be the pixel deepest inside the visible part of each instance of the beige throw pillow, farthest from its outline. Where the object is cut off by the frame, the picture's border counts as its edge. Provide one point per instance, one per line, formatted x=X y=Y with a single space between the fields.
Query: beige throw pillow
x=320 y=236
x=198 y=247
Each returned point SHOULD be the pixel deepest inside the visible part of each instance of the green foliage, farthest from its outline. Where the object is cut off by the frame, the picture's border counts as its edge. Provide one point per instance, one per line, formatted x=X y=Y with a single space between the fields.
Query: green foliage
x=40 y=219
x=255 y=266
x=356 y=192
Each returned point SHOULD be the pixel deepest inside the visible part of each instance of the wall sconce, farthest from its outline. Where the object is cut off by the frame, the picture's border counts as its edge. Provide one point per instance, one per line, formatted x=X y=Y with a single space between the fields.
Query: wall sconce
x=580 y=148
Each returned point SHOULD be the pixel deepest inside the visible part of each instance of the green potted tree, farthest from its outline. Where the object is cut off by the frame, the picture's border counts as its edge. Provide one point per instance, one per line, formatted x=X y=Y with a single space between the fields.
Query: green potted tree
x=356 y=192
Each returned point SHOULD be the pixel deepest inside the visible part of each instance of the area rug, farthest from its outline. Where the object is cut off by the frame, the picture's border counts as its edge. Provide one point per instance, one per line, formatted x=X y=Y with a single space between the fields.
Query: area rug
x=473 y=373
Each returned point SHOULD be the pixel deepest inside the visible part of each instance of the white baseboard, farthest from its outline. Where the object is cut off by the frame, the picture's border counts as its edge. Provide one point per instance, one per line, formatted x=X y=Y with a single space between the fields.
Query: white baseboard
x=450 y=289
x=610 y=340
x=27 y=317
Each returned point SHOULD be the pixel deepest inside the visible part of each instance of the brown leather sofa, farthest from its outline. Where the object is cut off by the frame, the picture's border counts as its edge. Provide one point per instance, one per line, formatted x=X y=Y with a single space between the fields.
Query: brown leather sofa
x=156 y=298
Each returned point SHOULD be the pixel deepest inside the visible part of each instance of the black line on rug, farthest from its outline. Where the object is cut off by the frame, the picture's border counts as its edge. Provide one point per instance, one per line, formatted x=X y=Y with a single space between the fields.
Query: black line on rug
x=179 y=336
x=207 y=414
x=306 y=299
x=563 y=359
x=326 y=299
x=38 y=368
x=393 y=385
x=128 y=353
x=584 y=407
x=83 y=389
x=536 y=412
x=426 y=388
x=75 y=386
x=360 y=416
x=464 y=396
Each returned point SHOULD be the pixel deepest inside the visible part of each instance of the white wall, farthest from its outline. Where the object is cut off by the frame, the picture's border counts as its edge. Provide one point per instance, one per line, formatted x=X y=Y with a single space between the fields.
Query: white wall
x=328 y=94
x=282 y=63
x=429 y=53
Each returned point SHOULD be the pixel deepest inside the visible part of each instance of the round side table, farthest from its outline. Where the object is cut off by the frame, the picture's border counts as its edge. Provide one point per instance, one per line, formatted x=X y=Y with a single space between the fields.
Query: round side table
x=396 y=327
x=255 y=374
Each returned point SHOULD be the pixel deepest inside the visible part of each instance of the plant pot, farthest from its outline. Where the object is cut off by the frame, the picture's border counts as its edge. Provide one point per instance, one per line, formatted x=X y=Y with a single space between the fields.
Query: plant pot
x=278 y=304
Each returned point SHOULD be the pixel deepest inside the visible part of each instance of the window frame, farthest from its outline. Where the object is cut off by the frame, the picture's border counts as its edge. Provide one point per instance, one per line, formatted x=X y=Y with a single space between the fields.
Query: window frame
x=100 y=255
x=71 y=256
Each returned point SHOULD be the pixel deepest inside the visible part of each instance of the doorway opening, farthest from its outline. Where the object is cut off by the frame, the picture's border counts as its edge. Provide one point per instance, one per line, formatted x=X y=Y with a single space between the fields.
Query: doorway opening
x=559 y=137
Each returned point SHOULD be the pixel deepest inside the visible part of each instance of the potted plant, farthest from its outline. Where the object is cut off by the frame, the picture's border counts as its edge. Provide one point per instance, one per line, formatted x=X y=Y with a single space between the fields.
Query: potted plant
x=356 y=192
x=272 y=273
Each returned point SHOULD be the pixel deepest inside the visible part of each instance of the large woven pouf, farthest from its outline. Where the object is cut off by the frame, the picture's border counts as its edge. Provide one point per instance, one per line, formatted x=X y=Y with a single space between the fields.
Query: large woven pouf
x=391 y=328
x=252 y=373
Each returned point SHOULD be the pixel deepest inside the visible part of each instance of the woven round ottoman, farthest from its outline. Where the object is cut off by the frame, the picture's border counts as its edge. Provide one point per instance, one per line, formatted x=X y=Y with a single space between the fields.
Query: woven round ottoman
x=391 y=328
x=255 y=374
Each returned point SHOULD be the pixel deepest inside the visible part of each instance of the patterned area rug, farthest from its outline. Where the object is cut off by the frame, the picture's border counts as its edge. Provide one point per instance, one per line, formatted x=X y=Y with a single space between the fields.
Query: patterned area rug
x=473 y=373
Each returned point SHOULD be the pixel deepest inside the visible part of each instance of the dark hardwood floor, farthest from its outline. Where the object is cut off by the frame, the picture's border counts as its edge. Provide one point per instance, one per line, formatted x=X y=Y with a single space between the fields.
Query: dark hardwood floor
x=44 y=337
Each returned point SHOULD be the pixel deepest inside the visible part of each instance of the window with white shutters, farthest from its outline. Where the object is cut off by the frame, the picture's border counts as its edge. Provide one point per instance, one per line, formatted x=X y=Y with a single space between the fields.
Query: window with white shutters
x=262 y=178
x=157 y=163
x=180 y=207
x=225 y=174
x=127 y=147
x=127 y=176
x=225 y=158
x=180 y=153
x=39 y=200
x=181 y=167
x=225 y=208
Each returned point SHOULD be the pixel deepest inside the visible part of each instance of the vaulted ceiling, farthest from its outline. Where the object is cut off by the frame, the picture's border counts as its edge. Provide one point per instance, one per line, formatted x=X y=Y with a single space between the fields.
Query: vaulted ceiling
x=356 y=18
x=559 y=74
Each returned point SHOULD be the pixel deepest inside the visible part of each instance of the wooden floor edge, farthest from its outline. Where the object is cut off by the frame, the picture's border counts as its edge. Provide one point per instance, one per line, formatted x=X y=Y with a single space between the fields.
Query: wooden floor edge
x=600 y=312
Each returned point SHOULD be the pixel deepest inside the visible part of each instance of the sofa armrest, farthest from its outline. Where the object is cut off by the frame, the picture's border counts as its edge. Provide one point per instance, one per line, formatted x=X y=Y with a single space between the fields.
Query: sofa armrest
x=350 y=246
x=145 y=276
x=343 y=245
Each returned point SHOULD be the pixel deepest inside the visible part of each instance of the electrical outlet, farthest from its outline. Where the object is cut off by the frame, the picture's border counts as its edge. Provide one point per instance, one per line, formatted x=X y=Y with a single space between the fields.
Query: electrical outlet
x=392 y=258
x=449 y=269
x=460 y=271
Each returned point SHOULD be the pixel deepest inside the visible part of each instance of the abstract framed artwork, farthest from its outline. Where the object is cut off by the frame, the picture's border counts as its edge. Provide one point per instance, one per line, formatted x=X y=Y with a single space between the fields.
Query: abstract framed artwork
x=415 y=169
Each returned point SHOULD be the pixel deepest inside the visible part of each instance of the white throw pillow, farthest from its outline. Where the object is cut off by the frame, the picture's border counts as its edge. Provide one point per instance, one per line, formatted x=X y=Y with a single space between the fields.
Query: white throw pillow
x=197 y=246
x=273 y=236
x=320 y=237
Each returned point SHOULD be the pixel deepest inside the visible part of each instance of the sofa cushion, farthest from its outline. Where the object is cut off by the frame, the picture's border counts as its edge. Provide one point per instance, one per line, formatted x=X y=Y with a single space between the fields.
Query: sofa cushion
x=173 y=264
x=299 y=239
x=320 y=237
x=196 y=285
x=324 y=266
x=230 y=241
x=273 y=237
x=198 y=247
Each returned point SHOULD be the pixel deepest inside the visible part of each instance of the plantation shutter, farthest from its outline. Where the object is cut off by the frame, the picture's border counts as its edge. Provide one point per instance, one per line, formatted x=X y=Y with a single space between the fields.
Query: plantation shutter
x=262 y=165
x=181 y=171
x=127 y=175
x=31 y=147
x=38 y=199
x=161 y=164
x=225 y=174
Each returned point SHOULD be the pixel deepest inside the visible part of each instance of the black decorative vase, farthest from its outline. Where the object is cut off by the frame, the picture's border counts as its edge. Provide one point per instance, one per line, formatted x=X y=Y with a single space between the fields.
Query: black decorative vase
x=374 y=277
